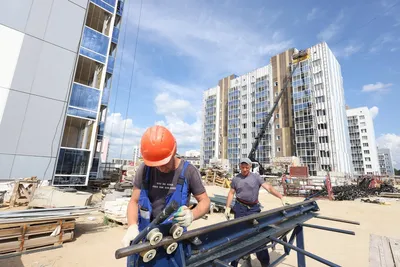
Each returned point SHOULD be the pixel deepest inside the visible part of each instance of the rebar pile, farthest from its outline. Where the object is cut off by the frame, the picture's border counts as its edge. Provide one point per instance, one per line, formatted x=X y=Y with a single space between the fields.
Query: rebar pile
x=351 y=192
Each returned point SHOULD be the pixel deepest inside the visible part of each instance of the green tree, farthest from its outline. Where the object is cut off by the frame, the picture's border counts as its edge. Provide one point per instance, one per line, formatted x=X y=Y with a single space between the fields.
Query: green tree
x=396 y=171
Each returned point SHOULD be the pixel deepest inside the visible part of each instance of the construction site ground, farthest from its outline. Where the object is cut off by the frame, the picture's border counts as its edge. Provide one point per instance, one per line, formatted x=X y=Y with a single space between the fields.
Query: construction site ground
x=96 y=241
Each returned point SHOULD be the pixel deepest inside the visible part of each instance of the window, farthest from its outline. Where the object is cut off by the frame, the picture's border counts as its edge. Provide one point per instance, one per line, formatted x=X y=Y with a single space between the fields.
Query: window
x=369 y=166
x=275 y=83
x=244 y=116
x=277 y=126
x=253 y=124
x=362 y=117
x=366 y=151
x=363 y=130
x=367 y=159
x=321 y=112
x=244 y=97
x=244 y=146
x=365 y=144
x=277 y=115
x=322 y=126
x=320 y=99
x=278 y=149
x=245 y=106
x=244 y=136
x=365 y=137
x=323 y=139
x=278 y=137
x=244 y=125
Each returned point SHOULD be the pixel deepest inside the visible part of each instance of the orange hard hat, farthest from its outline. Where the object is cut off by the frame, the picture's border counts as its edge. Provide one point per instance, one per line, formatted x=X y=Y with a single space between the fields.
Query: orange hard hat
x=157 y=146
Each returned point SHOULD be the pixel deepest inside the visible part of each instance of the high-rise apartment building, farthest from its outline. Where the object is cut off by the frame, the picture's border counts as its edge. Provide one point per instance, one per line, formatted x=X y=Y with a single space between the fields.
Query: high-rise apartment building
x=310 y=121
x=285 y=145
x=249 y=100
x=214 y=133
x=385 y=162
x=54 y=86
x=362 y=140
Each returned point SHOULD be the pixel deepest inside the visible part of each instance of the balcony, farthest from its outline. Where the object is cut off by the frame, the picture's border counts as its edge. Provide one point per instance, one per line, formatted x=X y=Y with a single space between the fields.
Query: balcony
x=115 y=35
x=110 y=64
x=108 y=5
x=94 y=45
x=72 y=162
x=120 y=7
x=84 y=97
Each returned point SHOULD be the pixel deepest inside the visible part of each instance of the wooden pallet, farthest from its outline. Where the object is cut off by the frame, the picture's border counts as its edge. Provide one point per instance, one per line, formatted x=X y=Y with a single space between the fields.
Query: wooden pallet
x=384 y=251
x=19 y=237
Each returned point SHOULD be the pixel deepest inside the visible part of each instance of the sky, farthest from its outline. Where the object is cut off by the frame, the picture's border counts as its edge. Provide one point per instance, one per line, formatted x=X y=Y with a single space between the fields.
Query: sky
x=182 y=48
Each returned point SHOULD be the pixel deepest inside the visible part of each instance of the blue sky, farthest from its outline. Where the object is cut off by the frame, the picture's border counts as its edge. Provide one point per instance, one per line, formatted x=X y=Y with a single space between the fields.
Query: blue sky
x=185 y=47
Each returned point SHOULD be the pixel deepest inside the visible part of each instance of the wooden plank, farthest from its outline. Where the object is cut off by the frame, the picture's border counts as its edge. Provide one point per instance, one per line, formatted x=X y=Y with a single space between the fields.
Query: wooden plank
x=395 y=247
x=34 y=229
x=380 y=253
x=15 y=246
x=17 y=222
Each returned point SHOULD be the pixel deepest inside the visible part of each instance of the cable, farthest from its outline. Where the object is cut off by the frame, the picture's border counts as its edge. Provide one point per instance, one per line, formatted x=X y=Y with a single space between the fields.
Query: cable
x=371 y=20
x=133 y=69
x=119 y=71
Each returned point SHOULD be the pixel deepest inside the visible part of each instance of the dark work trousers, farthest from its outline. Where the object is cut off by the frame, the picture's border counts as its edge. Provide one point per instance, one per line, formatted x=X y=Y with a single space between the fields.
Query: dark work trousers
x=242 y=210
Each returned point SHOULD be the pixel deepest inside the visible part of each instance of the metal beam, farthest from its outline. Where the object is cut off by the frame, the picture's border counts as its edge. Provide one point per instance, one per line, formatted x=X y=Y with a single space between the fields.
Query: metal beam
x=336 y=220
x=328 y=229
x=306 y=253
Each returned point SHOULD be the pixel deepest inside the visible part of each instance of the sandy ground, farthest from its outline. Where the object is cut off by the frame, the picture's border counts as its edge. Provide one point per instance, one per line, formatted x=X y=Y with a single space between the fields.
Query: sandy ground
x=95 y=243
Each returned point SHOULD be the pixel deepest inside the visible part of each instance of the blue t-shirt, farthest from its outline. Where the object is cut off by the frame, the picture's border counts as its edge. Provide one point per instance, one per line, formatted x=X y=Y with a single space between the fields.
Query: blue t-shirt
x=247 y=188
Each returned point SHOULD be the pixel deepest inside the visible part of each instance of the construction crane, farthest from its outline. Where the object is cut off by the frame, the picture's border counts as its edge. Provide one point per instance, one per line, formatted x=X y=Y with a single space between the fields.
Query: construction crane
x=297 y=57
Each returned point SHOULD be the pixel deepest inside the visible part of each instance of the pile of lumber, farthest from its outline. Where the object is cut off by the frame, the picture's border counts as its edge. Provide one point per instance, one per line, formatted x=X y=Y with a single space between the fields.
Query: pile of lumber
x=36 y=229
x=217 y=176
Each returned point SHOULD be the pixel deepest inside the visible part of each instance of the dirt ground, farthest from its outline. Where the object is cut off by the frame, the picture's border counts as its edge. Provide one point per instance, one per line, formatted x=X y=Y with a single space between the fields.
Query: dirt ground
x=95 y=242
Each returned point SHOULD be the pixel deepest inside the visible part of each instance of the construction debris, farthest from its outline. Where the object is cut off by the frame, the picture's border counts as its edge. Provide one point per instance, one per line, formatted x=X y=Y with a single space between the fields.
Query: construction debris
x=23 y=191
x=54 y=197
x=216 y=175
x=362 y=190
x=36 y=229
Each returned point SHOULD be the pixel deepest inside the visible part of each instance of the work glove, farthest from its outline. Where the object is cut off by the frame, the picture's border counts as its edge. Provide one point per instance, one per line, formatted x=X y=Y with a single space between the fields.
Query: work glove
x=284 y=201
x=183 y=216
x=130 y=234
x=227 y=213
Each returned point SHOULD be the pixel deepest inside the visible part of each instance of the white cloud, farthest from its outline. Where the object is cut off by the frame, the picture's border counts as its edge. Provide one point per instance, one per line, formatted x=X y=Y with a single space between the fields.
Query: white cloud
x=377 y=87
x=333 y=29
x=374 y=111
x=171 y=106
x=348 y=50
x=115 y=127
x=215 y=43
x=313 y=14
x=381 y=41
x=391 y=141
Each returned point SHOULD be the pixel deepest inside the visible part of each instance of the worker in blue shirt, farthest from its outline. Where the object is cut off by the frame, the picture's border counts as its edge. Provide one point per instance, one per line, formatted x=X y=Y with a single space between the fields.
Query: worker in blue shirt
x=247 y=185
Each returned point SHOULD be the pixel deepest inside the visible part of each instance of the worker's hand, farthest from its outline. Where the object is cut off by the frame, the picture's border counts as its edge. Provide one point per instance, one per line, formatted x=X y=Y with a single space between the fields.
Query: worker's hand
x=130 y=234
x=284 y=201
x=184 y=216
x=227 y=213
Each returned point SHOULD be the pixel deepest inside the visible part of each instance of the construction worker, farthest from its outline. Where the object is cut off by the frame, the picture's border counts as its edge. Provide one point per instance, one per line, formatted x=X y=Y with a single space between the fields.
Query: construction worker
x=162 y=177
x=246 y=185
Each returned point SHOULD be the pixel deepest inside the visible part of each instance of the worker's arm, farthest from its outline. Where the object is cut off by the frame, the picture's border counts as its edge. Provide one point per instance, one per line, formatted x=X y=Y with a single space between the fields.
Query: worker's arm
x=202 y=207
x=230 y=197
x=271 y=190
x=133 y=207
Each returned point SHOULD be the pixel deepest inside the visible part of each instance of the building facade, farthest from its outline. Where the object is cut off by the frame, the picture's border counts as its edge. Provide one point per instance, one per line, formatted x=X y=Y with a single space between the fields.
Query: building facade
x=249 y=100
x=310 y=121
x=79 y=155
x=385 y=162
x=54 y=86
x=364 y=152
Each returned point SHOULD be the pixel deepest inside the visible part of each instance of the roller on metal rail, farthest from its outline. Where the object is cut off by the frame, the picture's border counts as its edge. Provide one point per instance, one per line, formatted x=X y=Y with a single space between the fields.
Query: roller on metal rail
x=221 y=243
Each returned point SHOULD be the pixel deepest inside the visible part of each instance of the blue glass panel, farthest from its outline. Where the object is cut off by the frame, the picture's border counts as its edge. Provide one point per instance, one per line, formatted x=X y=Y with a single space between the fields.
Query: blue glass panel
x=92 y=55
x=72 y=161
x=110 y=64
x=93 y=41
x=82 y=113
x=115 y=35
x=84 y=97
x=108 y=5
x=105 y=96
x=100 y=132
x=120 y=7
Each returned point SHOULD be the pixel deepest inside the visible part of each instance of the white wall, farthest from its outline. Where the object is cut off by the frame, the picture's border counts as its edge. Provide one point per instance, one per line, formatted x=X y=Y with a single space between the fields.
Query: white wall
x=336 y=119
x=38 y=51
